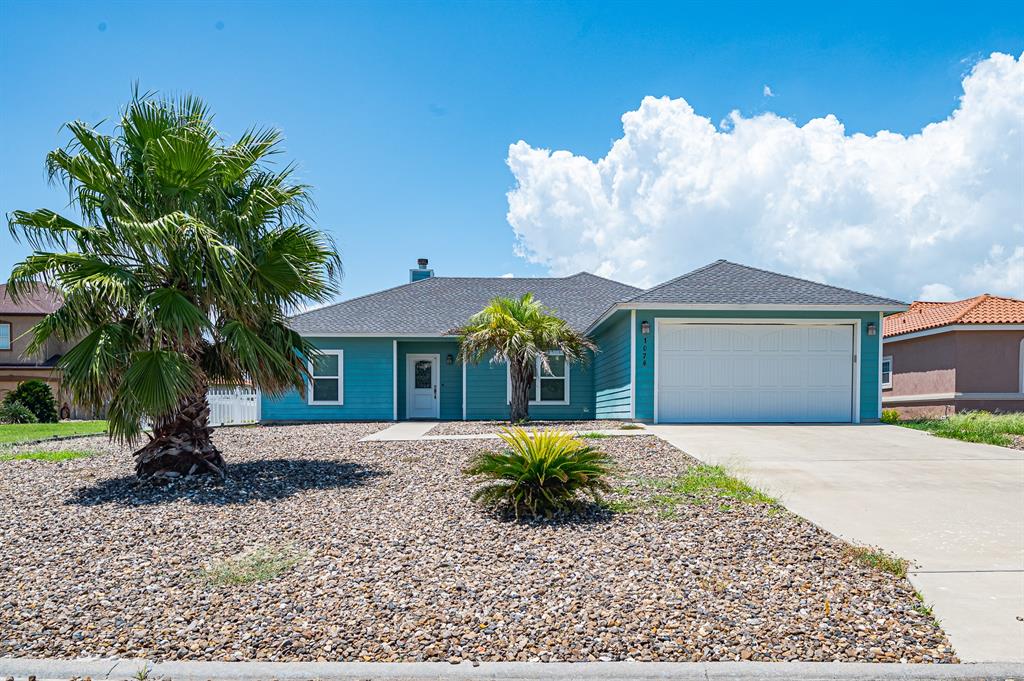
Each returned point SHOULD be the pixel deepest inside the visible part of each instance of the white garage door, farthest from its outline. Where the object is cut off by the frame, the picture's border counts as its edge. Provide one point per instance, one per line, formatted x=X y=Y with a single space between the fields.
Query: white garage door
x=754 y=373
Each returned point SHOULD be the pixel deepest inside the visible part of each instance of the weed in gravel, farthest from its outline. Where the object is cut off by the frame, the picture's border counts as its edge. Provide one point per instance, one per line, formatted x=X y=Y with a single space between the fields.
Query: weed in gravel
x=593 y=436
x=881 y=560
x=703 y=482
x=255 y=565
x=922 y=608
x=698 y=485
x=62 y=455
x=619 y=504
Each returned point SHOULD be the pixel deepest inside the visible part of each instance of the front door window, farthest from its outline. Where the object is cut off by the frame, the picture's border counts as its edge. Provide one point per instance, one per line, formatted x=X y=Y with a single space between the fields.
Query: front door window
x=424 y=374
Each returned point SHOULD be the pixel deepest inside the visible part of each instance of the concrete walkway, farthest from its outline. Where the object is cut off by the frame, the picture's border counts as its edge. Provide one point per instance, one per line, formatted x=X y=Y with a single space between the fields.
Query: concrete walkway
x=955 y=509
x=408 y=431
x=52 y=670
x=401 y=431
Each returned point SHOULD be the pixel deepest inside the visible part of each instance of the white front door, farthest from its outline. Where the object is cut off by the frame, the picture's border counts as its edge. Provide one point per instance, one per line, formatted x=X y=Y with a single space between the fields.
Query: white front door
x=754 y=373
x=422 y=386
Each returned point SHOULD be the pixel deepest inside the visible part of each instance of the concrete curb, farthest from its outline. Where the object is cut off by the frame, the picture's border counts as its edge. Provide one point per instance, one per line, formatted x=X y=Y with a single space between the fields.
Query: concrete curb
x=48 y=669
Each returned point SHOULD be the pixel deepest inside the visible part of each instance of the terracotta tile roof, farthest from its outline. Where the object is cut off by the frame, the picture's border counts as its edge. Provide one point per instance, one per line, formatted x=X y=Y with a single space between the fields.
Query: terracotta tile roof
x=41 y=301
x=983 y=309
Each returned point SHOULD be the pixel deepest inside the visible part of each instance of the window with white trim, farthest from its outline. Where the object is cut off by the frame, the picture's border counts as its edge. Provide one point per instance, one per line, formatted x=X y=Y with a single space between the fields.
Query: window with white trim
x=327 y=378
x=887 y=372
x=550 y=386
x=5 y=336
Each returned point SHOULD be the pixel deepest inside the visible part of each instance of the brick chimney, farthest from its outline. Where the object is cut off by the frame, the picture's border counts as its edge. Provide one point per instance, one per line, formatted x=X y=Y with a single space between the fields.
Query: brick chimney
x=421 y=271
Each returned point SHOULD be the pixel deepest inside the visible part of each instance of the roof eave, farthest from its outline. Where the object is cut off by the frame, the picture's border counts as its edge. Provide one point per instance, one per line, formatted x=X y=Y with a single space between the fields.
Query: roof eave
x=768 y=307
x=948 y=328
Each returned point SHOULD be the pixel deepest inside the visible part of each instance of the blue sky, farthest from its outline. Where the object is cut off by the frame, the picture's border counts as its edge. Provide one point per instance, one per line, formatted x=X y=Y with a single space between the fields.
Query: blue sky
x=401 y=115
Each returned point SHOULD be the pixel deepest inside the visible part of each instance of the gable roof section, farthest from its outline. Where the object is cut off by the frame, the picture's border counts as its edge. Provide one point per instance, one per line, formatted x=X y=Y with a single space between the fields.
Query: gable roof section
x=727 y=283
x=41 y=300
x=983 y=309
x=434 y=306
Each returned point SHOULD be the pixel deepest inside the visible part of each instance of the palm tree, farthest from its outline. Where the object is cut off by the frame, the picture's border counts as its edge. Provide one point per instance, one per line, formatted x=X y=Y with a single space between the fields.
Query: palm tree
x=519 y=332
x=188 y=255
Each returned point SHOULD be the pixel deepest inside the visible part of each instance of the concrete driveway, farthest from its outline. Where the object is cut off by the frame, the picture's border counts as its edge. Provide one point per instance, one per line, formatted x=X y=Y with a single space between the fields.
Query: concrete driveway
x=953 y=508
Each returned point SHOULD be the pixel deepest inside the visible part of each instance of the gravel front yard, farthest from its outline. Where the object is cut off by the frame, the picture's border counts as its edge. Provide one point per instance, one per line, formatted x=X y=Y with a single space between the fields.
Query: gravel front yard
x=393 y=562
x=483 y=427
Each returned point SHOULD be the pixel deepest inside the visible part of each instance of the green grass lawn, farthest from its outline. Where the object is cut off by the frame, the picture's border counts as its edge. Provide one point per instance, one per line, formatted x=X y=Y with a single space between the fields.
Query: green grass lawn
x=973 y=426
x=62 y=455
x=27 y=432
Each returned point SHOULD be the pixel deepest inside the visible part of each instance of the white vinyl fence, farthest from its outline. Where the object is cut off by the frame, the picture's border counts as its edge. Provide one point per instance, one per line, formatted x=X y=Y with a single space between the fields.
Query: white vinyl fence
x=232 y=405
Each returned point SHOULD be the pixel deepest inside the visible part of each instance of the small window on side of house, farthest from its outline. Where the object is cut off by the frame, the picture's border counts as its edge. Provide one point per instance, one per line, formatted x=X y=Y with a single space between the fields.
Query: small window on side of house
x=887 y=372
x=327 y=382
x=5 y=336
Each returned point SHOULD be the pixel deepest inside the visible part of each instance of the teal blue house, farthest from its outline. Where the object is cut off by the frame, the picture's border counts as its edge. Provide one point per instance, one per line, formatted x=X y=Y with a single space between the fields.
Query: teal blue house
x=725 y=343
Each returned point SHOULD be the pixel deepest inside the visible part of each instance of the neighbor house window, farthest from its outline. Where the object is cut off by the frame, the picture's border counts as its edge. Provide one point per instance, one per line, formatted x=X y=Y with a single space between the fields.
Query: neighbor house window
x=5 y=336
x=327 y=382
x=887 y=372
x=550 y=386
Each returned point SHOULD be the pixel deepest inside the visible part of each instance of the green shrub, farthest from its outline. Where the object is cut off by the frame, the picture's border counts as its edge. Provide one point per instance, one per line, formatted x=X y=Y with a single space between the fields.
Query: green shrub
x=37 y=396
x=540 y=473
x=16 y=412
x=890 y=416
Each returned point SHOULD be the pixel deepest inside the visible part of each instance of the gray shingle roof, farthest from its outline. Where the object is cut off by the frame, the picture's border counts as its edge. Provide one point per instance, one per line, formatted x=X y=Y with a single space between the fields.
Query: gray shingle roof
x=438 y=304
x=727 y=283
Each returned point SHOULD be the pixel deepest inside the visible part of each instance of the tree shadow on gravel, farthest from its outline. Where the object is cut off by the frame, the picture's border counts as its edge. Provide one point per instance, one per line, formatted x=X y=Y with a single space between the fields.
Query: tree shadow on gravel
x=265 y=480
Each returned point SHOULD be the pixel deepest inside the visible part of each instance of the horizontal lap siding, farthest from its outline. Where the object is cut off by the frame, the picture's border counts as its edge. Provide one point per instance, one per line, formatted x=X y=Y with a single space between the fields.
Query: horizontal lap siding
x=869 y=359
x=487 y=394
x=451 y=375
x=368 y=386
x=612 y=369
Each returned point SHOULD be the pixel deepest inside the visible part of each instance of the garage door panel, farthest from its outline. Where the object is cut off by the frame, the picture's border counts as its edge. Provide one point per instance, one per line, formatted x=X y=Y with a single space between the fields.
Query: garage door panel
x=794 y=372
x=693 y=372
x=721 y=373
x=696 y=403
x=754 y=372
x=693 y=339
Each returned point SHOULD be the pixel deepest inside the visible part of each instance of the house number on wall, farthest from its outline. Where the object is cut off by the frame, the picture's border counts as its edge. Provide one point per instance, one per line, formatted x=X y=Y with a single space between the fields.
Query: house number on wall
x=644 y=356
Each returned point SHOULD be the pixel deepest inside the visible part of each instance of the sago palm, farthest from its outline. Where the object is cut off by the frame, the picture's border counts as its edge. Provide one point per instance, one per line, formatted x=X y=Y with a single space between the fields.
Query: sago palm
x=519 y=332
x=188 y=253
x=540 y=472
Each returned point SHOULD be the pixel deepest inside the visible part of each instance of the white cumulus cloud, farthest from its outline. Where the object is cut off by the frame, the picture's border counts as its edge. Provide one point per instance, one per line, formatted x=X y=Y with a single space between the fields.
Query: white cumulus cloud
x=767 y=91
x=939 y=212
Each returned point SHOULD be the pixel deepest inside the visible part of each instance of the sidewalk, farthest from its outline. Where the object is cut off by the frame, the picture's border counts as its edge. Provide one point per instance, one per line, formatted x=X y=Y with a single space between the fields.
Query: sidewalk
x=53 y=670
x=409 y=431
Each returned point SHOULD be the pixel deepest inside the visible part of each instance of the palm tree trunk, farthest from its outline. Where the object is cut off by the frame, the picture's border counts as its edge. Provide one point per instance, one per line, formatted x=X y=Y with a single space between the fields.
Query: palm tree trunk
x=181 y=446
x=519 y=399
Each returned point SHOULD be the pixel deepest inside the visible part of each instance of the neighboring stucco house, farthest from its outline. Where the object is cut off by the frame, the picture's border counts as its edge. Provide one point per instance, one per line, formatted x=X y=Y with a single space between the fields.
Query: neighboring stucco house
x=942 y=358
x=16 y=365
x=724 y=343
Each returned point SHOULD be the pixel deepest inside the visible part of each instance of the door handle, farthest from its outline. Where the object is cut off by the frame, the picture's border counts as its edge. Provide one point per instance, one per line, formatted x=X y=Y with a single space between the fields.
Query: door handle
x=435 y=392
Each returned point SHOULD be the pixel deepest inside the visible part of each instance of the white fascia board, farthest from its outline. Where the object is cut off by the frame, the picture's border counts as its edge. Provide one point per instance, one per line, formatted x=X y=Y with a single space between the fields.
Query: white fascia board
x=954 y=327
